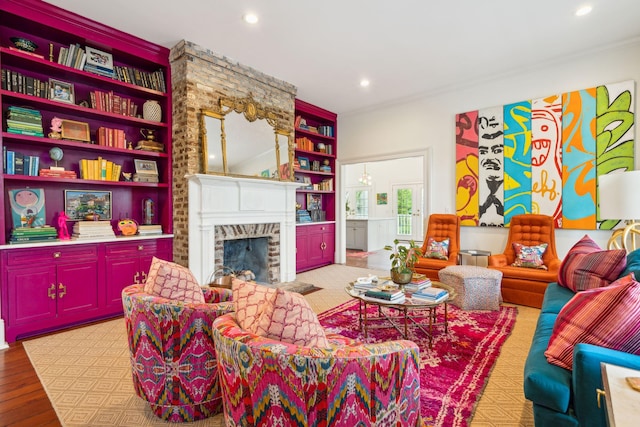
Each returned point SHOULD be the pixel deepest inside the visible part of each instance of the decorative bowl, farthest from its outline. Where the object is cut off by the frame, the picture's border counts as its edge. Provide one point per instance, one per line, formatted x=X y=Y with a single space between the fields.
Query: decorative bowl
x=24 y=44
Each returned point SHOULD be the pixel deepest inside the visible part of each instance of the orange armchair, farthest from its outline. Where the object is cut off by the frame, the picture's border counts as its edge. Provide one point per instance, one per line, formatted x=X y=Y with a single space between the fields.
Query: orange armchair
x=521 y=285
x=440 y=227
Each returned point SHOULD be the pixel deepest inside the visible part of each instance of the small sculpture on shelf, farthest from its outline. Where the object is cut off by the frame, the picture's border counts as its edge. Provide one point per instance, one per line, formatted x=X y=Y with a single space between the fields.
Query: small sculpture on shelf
x=127 y=176
x=56 y=155
x=63 y=232
x=56 y=128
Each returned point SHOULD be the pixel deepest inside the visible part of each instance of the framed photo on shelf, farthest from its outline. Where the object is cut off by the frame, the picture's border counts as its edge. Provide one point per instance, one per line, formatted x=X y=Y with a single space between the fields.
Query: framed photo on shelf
x=304 y=163
x=80 y=203
x=61 y=91
x=76 y=131
x=307 y=180
x=315 y=166
x=146 y=167
x=314 y=202
x=98 y=58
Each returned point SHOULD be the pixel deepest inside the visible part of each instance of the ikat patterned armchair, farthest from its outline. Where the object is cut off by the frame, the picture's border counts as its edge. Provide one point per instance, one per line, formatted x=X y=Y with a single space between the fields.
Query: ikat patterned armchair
x=173 y=359
x=265 y=382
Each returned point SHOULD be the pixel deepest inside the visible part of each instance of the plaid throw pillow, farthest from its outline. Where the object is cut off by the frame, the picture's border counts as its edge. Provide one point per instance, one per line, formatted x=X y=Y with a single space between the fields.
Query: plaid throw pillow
x=435 y=249
x=586 y=266
x=607 y=317
x=529 y=256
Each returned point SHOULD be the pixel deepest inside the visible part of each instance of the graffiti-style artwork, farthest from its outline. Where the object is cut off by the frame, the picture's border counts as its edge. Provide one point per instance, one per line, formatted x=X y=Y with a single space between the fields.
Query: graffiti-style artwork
x=546 y=157
x=615 y=133
x=467 y=167
x=517 y=159
x=491 y=167
x=579 y=160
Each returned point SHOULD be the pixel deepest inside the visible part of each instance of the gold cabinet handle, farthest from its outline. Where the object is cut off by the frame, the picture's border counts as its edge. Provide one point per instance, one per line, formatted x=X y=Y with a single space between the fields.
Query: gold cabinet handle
x=141 y=247
x=135 y=278
x=323 y=246
x=51 y=292
x=600 y=393
x=56 y=254
x=144 y=276
x=63 y=290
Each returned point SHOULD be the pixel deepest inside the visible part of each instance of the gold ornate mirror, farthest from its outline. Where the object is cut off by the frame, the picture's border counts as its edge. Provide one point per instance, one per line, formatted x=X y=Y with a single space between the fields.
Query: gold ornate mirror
x=242 y=139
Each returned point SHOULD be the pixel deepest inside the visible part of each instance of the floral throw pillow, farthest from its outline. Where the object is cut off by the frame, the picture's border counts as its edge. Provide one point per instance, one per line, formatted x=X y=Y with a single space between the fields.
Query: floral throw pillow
x=438 y=250
x=529 y=256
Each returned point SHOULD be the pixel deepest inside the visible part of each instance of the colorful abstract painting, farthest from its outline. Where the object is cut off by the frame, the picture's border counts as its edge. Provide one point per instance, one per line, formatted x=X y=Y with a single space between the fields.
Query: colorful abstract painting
x=491 y=167
x=467 y=167
x=517 y=159
x=579 y=159
x=546 y=157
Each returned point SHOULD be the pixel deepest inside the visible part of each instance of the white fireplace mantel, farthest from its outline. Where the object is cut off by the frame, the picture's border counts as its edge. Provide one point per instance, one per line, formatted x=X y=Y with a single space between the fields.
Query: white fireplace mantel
x=223 y=200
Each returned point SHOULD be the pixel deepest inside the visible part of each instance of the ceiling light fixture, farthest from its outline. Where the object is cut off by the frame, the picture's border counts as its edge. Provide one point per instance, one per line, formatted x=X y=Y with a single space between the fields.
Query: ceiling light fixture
x=584 y=10
x=250 y=18
x=365 y=179
x=364 y=82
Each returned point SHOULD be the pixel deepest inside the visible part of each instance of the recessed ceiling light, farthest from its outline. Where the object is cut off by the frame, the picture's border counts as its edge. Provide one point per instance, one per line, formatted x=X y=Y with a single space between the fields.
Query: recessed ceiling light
x=364 y=82
x=584 y=10
x=250 y=18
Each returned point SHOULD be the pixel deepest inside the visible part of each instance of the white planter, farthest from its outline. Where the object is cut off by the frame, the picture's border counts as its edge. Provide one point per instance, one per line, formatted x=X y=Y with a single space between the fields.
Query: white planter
x=152 y=111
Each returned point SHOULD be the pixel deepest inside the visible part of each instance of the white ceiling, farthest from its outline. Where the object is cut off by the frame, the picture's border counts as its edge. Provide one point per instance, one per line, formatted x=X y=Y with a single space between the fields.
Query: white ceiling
x=406 y=48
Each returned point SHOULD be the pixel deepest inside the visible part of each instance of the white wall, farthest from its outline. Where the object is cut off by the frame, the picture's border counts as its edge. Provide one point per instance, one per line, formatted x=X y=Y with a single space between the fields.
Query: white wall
x=428 y=121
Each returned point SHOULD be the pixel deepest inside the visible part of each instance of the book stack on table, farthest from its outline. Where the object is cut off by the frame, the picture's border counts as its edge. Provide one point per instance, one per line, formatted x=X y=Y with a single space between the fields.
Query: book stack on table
x=431 y=294
x=366 y=283
x=389 y=297
x=418 y=282
x=33 y=234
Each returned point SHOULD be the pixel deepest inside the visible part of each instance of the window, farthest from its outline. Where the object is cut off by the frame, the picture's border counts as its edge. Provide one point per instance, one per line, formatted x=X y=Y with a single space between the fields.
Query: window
x=362 y=203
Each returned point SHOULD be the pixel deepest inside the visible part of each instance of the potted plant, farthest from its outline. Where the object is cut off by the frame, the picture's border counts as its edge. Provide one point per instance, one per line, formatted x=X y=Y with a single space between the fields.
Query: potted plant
x=403 y=258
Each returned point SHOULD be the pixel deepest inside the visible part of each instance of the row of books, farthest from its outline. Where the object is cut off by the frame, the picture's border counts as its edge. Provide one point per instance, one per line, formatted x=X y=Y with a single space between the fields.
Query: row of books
x=17 y=82
x=73 y=56
x=110 y=137
x=304 y=143
x=15 y=163
x=324 y=185
x=33 y=234
x=58 y=173
x=112 y=103
x=100 y=169
x=24 y=121
x=149 y=229
x=150 y=80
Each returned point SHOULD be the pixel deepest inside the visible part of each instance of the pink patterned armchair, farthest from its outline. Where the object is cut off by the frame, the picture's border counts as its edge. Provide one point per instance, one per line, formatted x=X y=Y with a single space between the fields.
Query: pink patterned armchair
x=265 y=382
x=173 y=358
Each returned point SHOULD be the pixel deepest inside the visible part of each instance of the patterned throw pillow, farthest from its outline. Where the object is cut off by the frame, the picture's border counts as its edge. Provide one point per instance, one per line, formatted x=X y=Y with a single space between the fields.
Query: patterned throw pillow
x=249 y=300
x=586 y=266
x=173 y=281
x=288 y=317
x=435 y=249
x=529 y=256
x=607 y=317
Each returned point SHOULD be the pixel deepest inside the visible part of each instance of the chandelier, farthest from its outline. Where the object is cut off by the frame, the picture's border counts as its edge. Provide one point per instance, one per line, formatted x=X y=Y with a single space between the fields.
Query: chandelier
x=365 y=179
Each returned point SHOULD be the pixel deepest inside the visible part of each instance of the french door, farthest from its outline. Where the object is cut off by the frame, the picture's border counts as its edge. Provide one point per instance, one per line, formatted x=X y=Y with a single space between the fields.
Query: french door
x=407 y=209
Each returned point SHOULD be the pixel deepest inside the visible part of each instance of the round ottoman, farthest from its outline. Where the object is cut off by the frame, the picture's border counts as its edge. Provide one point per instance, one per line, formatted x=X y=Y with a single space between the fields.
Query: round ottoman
x=477 y=288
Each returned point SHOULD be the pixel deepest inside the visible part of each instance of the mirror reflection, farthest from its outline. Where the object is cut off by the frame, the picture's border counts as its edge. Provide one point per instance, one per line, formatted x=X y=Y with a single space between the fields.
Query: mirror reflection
x=239 y=142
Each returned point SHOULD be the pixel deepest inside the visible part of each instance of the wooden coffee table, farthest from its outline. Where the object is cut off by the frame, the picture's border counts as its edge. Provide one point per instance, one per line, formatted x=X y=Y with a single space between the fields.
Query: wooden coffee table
x=408 y=312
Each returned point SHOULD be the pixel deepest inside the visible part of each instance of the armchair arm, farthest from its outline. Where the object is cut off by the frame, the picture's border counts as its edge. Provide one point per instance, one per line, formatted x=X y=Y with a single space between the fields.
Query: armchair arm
x=587 y=378
x=498 y=260
x=554 y=264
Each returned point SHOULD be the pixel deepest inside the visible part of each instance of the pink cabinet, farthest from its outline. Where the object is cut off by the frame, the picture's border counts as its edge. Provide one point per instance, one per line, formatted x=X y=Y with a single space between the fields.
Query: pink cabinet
x=315 y=245
x=49 y=287
x=128 y=263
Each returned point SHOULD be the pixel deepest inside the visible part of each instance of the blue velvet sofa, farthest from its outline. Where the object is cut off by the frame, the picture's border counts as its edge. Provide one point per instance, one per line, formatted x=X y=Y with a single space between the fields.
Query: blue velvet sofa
x=562 y=397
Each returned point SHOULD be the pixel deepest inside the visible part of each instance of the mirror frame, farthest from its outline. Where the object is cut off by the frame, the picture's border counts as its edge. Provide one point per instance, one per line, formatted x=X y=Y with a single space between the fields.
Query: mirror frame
x=252 y=111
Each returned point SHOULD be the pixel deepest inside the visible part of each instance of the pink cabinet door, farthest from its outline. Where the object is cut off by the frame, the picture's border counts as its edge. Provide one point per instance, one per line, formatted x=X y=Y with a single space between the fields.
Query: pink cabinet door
x=120 y=273
x=315 y=254
x=328 y=252
x=31 y=294
x=77 y=287
x=302 y=249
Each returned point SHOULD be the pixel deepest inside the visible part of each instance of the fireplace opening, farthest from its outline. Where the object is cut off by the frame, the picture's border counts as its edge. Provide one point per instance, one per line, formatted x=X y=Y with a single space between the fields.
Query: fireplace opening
x=248 y=254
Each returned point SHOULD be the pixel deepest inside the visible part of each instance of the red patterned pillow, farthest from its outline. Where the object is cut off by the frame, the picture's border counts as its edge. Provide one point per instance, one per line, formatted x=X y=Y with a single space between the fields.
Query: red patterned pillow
x=288 y=317
x=607 y=317
x=249 y=300
x=529 y=256
x=173 y=281
x=437 y=249
x=586 y=266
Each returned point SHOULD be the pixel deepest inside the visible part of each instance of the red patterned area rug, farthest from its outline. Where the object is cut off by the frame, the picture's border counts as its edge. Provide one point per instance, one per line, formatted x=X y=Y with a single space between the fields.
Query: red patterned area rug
x=454 y=372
